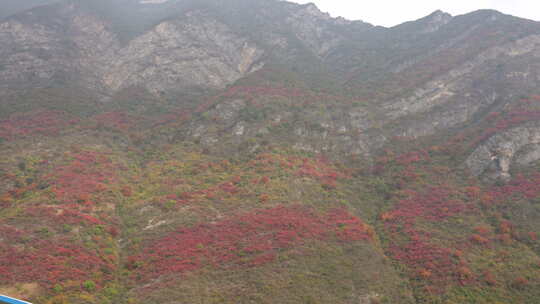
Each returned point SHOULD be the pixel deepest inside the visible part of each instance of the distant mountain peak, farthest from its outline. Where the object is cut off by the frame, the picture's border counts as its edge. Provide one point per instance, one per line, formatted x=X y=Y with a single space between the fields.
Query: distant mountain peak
x=312 y=9
x=437 y=19
x=439 y=13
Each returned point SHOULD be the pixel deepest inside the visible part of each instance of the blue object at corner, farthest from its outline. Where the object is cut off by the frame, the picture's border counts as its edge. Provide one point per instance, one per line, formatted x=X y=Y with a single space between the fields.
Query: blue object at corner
x=9 y=300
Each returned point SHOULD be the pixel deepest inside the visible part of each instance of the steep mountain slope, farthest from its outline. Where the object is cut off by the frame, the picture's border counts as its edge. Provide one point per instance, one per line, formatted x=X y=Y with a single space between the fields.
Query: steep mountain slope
x=260 y=151
x=73 y=44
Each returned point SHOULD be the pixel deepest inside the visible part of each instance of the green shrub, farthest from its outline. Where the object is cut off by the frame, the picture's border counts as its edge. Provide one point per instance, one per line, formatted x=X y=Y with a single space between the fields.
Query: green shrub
x=89 y=285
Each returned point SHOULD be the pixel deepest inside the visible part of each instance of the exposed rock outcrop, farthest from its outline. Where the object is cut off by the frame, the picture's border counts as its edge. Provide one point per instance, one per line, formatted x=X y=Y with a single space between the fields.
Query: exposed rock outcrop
x=456 y=96
x=193 y=51
x=494 y=157
x=419 y=78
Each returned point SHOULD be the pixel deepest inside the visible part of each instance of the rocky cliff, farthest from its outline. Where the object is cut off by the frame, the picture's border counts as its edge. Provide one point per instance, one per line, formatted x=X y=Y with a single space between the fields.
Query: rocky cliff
x=194 y=51
x=261 y=151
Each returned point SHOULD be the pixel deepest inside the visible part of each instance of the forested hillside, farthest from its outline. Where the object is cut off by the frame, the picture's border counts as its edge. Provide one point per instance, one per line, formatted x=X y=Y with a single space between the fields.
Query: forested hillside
x=263 y=152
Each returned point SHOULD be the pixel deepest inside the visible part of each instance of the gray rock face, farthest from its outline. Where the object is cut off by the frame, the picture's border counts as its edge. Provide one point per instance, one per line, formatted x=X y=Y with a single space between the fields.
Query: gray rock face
x=191 y=51
x=456 y=96
x=440 y=90
x=309 y=25
x=436 y=21
x=520 y=145
x=31 y=54
x=420 y=78
x=340 y=133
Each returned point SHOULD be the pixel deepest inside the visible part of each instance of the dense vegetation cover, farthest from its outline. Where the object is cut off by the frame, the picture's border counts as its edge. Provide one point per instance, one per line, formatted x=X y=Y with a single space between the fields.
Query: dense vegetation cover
x=309 y=180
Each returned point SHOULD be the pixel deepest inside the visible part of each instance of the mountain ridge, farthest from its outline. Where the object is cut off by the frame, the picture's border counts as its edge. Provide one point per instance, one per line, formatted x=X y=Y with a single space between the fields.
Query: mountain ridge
x=262 y=151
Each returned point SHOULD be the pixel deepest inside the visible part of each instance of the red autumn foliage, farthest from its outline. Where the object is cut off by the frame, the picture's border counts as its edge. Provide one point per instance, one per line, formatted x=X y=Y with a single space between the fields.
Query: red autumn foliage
x=50 y=263
x=177 y=116
x=505 y=227
x=263 y=198
x=387 y=216
x=250 y=239
x=483 y=230
x=489 y=278
x=520 y=283
x=229 y=188
x=505 y=238
x=521 y=112
x=317 y=168
x=435 y=204
x=465 y=273
x=48 y=123
x=113 y=231
x=88 y=174
x=478 y=239
x=320 y=170
x=419 y=254
x=458 y=253
x=521 y=187
x=11 y=235
x=116 y=120
x=413 y=157
x=428 y=258
x=263 y=180
x=535 y=98
x=473 y=193
x=63 y=214
x=126 y=191
x=6 y=200
x=501 y=122
x=262 y=259
x=425 y=274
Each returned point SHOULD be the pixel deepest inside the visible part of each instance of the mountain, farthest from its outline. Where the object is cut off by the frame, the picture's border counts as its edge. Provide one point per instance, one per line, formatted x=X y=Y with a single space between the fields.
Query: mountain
x=10 y=7
x=261 y=151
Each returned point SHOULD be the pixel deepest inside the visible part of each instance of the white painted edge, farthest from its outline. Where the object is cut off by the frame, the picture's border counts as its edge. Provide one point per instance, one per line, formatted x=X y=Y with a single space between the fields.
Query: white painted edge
x=15 y=299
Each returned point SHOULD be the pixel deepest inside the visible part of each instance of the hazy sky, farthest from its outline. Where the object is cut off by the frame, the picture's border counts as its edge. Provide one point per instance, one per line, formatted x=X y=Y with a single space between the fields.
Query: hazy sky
x=392 y=12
